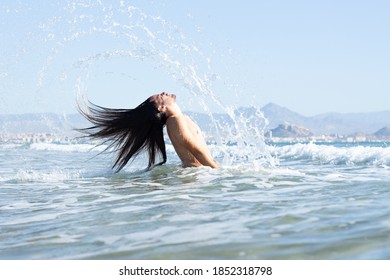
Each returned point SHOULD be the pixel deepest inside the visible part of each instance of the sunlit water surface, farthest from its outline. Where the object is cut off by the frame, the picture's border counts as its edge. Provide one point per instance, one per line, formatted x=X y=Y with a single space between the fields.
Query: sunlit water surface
x=59 y=201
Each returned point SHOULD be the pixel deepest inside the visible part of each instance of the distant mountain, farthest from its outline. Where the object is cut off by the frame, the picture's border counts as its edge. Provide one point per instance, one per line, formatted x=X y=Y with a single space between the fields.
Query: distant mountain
x=288 y=130
x=366 y=123
x=329 y=123
x=383 y=132
x=277 y=115
x=281 y=120
x=41 y=123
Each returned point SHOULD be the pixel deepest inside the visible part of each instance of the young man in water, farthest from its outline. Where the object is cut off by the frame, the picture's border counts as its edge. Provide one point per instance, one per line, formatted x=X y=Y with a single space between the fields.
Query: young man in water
x=184 y=134
x=130 y=131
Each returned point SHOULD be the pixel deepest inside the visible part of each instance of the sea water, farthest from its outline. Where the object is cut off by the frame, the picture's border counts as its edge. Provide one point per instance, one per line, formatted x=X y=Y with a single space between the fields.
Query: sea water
x=62 y=201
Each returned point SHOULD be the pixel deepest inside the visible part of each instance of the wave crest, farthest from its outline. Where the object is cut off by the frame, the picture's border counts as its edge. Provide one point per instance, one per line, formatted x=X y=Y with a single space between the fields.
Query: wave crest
x=357 y=155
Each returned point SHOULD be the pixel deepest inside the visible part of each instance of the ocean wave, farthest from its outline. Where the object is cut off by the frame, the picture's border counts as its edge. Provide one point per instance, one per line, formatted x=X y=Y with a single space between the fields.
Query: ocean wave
x=84 y=148
x=23 y=176
x=233 y=155
x=9 y=146
x=357 y=155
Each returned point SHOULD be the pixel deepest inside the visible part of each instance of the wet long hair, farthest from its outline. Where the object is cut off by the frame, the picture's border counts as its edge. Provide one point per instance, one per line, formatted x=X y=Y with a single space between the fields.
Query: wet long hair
x=128 y=132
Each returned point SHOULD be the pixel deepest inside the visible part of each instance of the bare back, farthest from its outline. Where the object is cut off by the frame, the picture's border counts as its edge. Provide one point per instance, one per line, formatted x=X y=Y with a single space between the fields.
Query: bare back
x=188 y=141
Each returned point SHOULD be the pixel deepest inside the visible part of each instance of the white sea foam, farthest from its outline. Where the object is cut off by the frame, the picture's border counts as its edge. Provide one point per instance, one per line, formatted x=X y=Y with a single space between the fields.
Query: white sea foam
x=357 y=155
x=130 y=208
x=55 y=175
x=23 y=204
x=9 y=146
x=67 y=147
x=32 y=219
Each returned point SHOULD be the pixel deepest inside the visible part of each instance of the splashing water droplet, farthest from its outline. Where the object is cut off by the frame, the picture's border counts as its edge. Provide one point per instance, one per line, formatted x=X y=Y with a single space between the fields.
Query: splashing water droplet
x=124 y=32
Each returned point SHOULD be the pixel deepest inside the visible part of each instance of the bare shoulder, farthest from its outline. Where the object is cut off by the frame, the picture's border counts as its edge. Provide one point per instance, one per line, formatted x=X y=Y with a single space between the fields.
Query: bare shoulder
x=177 y=127
x=176 y=121
x=179 y=122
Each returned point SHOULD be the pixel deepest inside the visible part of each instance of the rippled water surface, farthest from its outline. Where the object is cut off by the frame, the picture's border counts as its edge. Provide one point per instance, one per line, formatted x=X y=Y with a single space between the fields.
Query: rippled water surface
x=319 y=202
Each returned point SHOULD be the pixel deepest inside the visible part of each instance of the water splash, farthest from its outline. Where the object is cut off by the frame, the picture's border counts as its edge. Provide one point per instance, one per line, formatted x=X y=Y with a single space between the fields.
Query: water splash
x=94 y=32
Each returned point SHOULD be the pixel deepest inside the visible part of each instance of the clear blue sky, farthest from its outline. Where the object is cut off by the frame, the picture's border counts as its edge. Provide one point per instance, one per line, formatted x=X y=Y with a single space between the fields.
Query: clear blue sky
x=310 y=56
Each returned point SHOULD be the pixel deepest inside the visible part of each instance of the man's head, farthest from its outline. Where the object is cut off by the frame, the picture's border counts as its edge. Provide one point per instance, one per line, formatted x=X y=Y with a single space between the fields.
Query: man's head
x=165 y=103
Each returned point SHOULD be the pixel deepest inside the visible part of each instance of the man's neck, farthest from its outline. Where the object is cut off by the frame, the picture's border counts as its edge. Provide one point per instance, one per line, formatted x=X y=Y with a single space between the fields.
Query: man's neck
x=175 y=111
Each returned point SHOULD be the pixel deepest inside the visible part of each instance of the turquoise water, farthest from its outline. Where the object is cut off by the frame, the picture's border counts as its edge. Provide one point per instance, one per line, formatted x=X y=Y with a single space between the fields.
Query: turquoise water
x=61 y=201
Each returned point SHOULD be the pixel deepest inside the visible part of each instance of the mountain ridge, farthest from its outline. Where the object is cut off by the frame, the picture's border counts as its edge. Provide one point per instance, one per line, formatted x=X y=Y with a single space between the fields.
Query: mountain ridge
x=328 y=123
x=321 y=124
